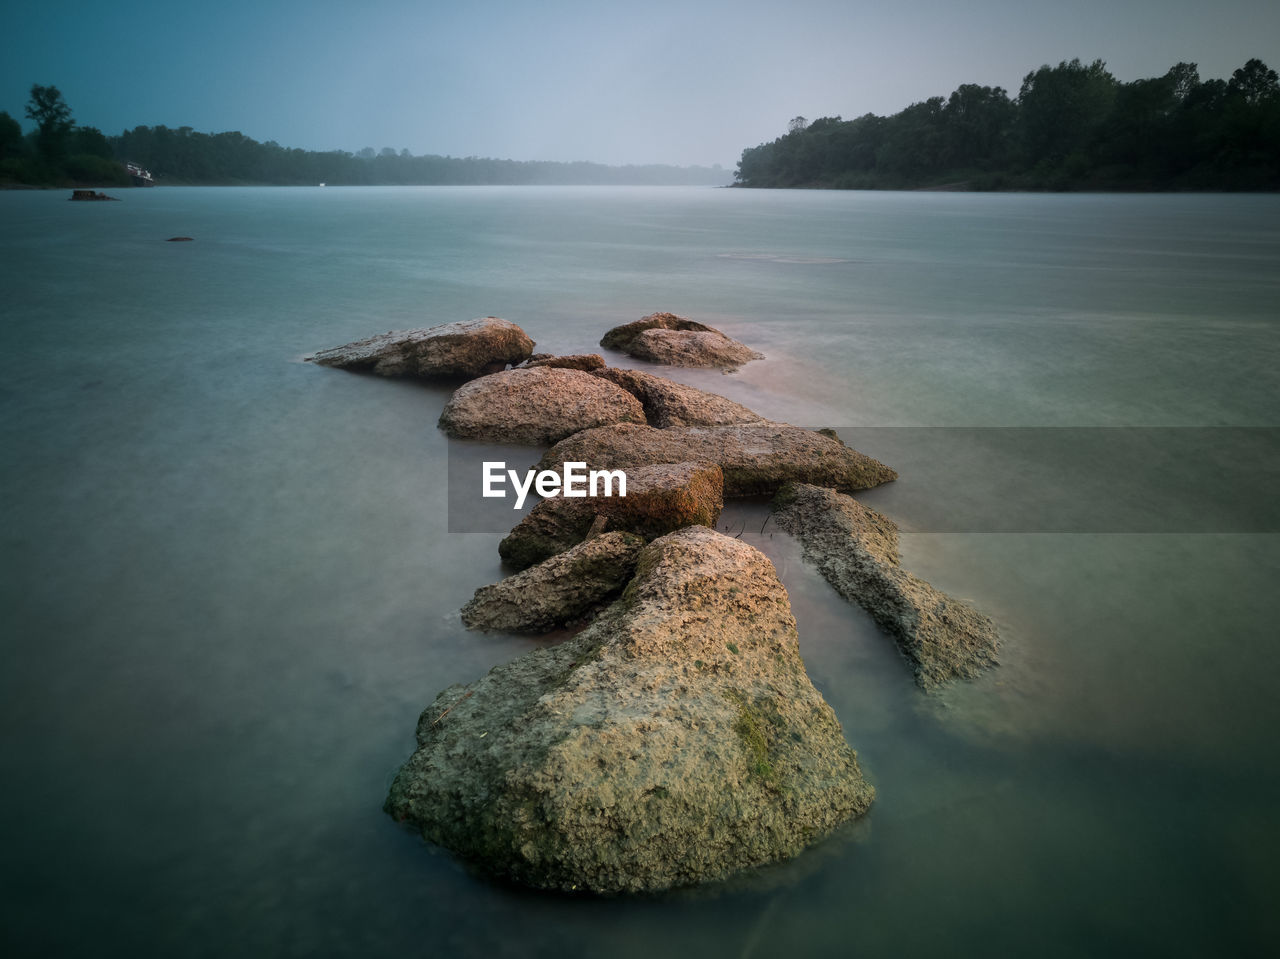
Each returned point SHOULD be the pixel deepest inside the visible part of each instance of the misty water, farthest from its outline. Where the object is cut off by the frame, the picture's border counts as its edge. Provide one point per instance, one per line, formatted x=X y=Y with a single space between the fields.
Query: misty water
x=229 y=585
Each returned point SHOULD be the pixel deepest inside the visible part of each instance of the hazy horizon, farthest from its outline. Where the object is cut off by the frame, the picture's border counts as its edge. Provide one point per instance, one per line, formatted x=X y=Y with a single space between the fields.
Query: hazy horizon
x=684 y=84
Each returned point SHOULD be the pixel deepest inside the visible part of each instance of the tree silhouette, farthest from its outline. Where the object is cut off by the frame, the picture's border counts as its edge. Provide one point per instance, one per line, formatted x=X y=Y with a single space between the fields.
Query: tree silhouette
x=52 y=117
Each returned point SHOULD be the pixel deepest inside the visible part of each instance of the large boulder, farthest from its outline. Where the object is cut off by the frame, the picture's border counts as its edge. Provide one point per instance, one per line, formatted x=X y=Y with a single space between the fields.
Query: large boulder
x=756 y=458
x=675 y=740
x=558 y=592
x=856 y=549
x=537 y=405
x=676 y=341
x=465 y=349
x=660 y=498
x=668 y=403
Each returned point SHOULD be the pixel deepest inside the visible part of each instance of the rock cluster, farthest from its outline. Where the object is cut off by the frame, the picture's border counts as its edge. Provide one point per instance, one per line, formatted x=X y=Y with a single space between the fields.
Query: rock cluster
x=856 y=549
x=676 y=740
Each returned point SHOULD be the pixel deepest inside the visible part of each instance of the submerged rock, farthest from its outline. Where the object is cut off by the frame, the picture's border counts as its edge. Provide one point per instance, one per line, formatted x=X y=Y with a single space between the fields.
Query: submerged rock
x=668 y=403
x=675 y=740
x=467 y=349
x=676 y=341
x=660 y=498
x=536 y=405
x=756 y=458
x=559 y=591
x=856 y=549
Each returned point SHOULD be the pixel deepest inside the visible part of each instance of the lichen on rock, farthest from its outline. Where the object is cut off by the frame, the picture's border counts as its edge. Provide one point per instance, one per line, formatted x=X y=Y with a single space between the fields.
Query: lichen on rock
x=676 y=740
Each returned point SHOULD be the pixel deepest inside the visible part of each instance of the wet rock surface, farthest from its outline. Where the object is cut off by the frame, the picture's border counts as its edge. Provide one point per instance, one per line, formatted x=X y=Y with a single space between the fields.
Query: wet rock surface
x=465 y=349
x=560 y=591
x=856 y=549
x=756 y=458
x=660 y=498
x=676 y=740
x=537 y=406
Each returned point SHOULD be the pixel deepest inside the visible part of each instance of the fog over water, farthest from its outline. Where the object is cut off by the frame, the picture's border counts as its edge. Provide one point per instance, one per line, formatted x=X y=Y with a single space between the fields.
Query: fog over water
x=230 y=587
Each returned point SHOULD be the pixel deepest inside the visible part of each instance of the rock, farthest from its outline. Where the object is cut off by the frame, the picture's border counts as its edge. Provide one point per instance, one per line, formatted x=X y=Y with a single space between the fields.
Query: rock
x=756 y=458
x=620 y=337
x=691 y=348
x=538 y=405
x=856 y=549
x=667 y=338
x=577 y=361
x=675 y=740
x=660 y=498
x=668 y=403
x=558 y=592
x=465 y=349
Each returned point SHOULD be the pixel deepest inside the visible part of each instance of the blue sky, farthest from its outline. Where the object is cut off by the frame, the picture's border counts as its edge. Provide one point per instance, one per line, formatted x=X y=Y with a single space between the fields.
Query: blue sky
x=657 y=82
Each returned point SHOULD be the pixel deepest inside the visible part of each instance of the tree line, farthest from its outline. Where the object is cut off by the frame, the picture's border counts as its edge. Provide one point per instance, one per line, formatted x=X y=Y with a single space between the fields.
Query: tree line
x=57 y=152
x=1071 y=127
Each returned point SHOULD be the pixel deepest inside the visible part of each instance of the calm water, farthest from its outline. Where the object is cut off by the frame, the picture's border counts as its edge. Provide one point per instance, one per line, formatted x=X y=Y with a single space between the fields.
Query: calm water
x=229 y=587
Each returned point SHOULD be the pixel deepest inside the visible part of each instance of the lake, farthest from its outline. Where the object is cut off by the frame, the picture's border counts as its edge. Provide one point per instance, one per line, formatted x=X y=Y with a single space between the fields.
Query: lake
x=230 y=587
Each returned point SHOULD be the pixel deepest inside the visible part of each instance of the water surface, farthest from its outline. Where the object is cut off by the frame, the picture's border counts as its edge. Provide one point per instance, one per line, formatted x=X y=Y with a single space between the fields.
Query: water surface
x=229 y=586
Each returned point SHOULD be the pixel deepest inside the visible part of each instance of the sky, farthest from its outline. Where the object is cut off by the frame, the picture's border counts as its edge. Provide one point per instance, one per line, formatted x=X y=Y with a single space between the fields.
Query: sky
x=645 y=81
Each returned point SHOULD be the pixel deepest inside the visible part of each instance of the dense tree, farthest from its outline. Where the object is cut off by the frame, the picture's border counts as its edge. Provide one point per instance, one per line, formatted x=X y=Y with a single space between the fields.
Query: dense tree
x=1061 y=108
x=10 y=137
x=1073 y=126
x=1255 y=82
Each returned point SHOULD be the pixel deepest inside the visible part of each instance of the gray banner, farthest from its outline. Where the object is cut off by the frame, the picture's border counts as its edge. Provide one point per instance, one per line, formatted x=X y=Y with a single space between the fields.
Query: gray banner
x=1005 y=480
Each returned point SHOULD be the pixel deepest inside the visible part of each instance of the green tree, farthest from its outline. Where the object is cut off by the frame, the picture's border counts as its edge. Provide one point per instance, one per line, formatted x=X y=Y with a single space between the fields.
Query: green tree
x=1255 y=82
x=53 y=120
x=1060 y=111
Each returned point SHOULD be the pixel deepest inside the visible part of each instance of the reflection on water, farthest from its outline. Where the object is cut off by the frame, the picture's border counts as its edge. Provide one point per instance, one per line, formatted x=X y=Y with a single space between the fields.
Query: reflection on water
x=230 y=587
